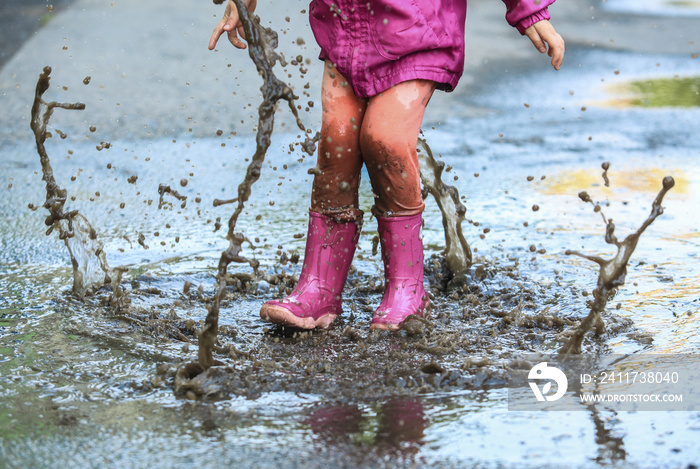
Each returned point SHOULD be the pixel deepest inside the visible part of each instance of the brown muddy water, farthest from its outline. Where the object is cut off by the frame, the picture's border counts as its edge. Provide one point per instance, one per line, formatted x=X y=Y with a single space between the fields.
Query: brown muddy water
x=91 y=384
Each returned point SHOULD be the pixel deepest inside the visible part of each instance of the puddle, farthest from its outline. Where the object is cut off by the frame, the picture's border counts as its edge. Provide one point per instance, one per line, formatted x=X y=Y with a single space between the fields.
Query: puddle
x=627 y=182
x=70 y=370
x=656 y=93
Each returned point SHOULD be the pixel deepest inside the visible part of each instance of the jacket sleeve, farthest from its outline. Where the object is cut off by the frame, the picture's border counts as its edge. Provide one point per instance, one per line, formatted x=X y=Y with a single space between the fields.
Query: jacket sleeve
x=524 y=13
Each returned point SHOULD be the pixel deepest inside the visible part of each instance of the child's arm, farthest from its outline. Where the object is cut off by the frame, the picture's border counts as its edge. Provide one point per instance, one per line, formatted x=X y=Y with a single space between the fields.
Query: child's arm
x=531 y=18
x=231 y=24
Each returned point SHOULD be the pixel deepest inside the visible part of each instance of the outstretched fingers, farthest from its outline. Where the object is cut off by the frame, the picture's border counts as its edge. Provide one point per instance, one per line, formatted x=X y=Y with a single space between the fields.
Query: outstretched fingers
x=231 y=25
x=218 y=31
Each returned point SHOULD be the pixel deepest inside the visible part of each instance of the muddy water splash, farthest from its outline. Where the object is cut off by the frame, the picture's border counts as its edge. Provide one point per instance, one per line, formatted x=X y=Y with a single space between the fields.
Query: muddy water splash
x=457 y=252
x=90 y=268
x=612 y=271
x=606 y=166
x=165 y=189
x=262 y=43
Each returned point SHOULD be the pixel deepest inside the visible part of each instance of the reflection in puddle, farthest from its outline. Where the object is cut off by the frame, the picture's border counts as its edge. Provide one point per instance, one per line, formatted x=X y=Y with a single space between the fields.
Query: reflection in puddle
x=656 y=92
x=395 y=427
x=632 y=180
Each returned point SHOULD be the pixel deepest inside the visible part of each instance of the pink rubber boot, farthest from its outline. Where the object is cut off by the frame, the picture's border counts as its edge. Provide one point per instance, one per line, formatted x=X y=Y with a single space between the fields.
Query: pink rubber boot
x=402 y=253
x=316 y=300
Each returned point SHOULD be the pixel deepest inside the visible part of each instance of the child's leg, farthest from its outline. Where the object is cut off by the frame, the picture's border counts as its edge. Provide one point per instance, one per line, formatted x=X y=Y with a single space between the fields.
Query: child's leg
x=334 y=218
x=339 y=163
x=388 y=141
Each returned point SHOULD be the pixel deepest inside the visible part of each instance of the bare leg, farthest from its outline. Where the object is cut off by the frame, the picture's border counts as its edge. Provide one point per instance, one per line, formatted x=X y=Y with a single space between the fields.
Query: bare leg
x=388 y=142
x=339 y=163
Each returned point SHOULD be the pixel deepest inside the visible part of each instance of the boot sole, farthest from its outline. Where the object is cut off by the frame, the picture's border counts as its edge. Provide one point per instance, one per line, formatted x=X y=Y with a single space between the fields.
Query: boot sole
x=424 y=313
x=384 y=327
x=280 y=315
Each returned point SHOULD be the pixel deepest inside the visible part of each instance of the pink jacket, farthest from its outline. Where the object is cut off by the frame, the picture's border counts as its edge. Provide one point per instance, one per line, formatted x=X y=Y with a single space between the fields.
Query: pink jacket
x=376 y=44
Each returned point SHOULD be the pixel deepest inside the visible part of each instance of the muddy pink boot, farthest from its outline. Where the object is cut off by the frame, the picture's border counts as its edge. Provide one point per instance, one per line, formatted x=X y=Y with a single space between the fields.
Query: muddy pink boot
x=402 y=253
x=316 y=300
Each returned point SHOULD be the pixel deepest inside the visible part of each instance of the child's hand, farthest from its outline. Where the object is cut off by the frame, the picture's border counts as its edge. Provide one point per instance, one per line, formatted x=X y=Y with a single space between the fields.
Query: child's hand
x=231 y=24
x=542 y=34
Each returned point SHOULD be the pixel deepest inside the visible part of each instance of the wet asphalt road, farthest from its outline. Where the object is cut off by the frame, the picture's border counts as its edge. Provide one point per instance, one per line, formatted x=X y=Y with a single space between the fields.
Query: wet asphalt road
x=19 y=21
